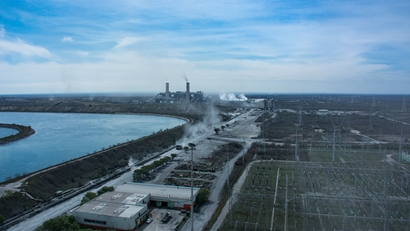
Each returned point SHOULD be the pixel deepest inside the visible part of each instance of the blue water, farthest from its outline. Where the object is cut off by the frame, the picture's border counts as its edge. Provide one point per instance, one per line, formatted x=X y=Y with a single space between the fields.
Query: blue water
x=4 y=132
x=63 y=136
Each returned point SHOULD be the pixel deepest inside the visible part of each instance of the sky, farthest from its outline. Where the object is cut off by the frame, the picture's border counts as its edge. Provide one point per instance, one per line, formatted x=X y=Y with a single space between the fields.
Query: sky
x=129 y=46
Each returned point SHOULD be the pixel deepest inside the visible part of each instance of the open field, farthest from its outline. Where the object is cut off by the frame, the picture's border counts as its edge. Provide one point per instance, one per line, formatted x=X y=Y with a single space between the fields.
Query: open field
x=339 y=171
x=361 y=190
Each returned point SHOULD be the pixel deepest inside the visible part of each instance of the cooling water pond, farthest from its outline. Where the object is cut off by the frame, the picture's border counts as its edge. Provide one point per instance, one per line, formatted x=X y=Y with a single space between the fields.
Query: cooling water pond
x=60 y=137
x=4 y=132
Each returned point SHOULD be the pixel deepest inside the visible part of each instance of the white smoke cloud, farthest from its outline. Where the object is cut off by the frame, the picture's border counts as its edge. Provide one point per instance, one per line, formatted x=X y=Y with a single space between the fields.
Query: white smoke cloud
x=210 y=120
x=231 y=97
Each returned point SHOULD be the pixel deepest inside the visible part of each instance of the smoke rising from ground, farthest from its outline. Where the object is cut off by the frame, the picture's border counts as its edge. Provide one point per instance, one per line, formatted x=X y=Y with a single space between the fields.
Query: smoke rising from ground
x=210 y=120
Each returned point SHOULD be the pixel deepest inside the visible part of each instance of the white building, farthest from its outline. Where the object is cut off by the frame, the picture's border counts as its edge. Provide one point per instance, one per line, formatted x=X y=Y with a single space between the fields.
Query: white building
x=113 y=210
x=175 y=197
x=322 y=112
x=127 y=207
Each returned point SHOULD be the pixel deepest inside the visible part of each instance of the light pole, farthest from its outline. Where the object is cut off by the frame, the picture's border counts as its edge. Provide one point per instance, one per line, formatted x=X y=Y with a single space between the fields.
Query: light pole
x=227 y=162
x=192 y=146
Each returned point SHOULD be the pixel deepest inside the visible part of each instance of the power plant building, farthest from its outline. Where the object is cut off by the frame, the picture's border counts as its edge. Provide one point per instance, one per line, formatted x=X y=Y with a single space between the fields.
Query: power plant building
x=178 y=96
x=127 y=207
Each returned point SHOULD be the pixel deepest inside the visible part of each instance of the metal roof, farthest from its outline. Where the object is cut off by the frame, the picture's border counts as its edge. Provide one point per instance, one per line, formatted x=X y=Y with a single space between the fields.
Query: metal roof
x=157 y=191
x=115 y=204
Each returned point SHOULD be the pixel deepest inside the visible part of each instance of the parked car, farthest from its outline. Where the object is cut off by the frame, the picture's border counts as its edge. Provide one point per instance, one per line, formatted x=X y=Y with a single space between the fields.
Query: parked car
x=167 y=217
x=149 y=220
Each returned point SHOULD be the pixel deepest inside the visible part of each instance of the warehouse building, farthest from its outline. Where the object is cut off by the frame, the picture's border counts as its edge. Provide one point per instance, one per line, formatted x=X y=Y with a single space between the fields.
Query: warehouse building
x=127 y=207
x=174 y=197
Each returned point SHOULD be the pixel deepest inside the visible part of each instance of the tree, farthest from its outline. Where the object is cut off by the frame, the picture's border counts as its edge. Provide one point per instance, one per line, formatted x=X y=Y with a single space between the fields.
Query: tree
x=1 y=218
x=88 y=196
x=166 y=159
x=147 y=168
x=105 y=189
x=139 y=174
x=216 y=130
x=173 y=155
x=191 y=146
x=186 y=149
x=203 y=195
x=61 y=223
x=158 y=163
x=223 y=127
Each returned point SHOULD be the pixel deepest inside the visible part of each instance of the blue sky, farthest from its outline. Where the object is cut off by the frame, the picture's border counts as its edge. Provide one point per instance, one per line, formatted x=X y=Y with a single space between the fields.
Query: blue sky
x=284 y=46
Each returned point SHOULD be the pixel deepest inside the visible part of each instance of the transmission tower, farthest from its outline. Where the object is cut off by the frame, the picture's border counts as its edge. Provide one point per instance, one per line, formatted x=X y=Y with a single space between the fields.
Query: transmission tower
x=374 y=101
x=403 y=108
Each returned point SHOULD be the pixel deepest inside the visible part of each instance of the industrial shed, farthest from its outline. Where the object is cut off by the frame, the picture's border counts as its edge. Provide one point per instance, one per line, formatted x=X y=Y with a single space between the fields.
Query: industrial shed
x=113 y=210
x=127 y=207
x=175 y=197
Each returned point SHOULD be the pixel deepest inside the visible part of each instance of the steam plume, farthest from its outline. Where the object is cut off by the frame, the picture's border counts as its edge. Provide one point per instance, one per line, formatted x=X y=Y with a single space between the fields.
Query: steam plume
x=231 y=97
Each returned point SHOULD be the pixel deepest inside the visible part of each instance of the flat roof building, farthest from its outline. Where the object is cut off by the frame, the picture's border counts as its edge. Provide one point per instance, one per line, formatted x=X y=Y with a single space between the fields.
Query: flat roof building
x=126 y=207
x=163 y=195
x=113 y=210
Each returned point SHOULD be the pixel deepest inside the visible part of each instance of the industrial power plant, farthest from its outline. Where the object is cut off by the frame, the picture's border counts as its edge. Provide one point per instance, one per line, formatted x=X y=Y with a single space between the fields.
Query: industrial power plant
x=178 y=97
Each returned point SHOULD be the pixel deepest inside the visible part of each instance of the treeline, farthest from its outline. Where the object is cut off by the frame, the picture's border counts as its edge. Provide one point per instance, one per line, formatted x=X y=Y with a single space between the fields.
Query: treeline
x=63 y=223
x=145 y=170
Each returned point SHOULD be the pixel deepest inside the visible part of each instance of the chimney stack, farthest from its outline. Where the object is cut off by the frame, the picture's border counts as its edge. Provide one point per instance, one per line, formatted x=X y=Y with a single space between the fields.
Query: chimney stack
x=187 y=92
x=167 y=90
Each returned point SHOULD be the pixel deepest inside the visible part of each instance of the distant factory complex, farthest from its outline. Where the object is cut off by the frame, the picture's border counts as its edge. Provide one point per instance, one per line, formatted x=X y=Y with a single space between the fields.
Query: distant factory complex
x=178 y=96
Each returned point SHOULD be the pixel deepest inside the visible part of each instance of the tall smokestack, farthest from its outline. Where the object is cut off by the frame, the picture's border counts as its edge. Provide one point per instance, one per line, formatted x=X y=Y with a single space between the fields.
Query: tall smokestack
x=167 y=90
x=187 y=91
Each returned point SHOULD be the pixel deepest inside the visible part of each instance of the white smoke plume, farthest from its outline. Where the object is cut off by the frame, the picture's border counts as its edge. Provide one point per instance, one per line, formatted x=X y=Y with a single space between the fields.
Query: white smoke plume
x=185 y=77
x=231 y=97
x=131 y=161
x=192 y=131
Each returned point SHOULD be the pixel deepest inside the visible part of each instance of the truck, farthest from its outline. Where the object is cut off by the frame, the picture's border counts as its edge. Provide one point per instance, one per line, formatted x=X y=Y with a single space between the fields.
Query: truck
x=167 y=217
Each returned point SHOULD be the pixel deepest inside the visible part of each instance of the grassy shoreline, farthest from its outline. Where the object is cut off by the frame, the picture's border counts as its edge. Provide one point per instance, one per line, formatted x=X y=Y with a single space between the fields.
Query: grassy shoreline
x=23 y=132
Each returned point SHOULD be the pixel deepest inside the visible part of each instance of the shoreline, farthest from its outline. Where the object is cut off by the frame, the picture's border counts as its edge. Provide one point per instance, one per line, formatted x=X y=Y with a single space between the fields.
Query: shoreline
x=23 y=132
x=30 y=174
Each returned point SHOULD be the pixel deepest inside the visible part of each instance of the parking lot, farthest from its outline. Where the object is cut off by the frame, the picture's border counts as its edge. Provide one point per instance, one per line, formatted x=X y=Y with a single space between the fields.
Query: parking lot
x=157 y=224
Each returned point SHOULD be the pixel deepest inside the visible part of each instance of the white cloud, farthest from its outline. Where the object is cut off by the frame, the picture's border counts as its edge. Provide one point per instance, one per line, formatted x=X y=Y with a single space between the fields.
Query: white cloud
x=20 y=47
x=67 y=39
x=2 y=32
x=127 y=41
x=132 y=72
x=235 y=45
x=80 y=53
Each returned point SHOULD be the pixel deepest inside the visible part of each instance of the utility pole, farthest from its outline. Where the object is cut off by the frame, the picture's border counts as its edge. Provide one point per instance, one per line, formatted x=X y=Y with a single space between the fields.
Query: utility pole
x=403 y=108
x=192 y=145
x=400 y=145
x=227 y=164
x=333 y=145
x=296 y=145
x=286 y=205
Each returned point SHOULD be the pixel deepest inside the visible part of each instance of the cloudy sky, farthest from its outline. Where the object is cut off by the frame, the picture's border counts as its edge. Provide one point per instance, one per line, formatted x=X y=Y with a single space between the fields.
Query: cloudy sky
x=129 y=46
